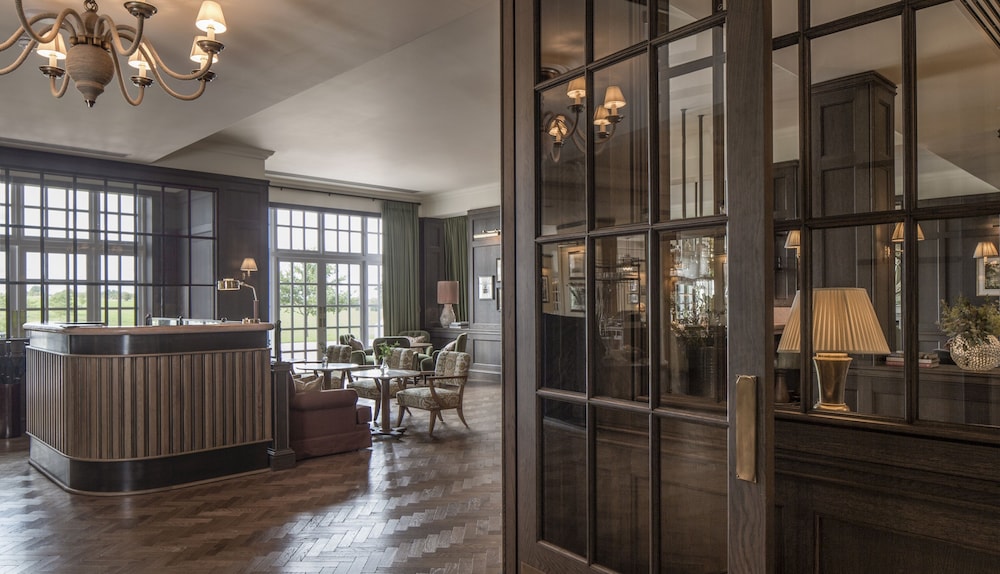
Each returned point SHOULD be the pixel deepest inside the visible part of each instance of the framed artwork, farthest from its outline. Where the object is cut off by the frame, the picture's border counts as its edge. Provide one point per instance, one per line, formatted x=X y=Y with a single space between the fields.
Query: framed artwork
x=988 y=276
x=499 y=270
x=633 y=298
x=577 y=263
x=545 y=288
x=486 y=287
x=578 y=297
x=633 y=286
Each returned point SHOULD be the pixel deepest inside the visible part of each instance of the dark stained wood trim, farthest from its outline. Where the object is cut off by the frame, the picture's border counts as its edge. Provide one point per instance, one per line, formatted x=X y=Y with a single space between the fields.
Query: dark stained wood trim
x=751 y=291
x=512 y=317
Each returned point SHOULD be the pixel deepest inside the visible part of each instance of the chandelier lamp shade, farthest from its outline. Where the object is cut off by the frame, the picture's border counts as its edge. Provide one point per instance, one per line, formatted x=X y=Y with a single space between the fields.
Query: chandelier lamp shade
x=93 y=47
x=563 y=127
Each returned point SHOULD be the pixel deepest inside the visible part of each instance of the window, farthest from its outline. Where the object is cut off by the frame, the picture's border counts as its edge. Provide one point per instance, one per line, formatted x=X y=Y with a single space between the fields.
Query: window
x=88 y=249
x=329 y=280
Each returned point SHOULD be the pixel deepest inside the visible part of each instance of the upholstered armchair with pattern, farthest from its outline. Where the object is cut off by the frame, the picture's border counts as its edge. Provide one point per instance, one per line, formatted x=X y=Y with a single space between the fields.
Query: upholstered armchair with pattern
x=360 y=354
x=427 y=364
x=338 y=353
x=444 y=390
x=399 y=358
x=419 y=336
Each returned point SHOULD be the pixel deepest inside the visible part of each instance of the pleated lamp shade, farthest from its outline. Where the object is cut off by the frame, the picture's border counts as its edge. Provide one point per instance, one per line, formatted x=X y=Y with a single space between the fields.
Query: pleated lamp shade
x=985 y=249
x=844 y=321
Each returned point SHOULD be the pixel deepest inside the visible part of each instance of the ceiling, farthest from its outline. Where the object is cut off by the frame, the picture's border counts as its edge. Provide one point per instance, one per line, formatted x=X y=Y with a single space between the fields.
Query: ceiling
x=396 y=95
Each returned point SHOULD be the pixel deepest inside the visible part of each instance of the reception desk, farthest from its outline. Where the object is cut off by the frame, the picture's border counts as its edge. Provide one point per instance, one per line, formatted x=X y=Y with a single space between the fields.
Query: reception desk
x=114 y=410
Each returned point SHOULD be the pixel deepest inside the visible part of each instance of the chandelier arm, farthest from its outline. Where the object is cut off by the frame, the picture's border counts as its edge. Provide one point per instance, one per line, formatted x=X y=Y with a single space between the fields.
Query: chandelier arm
x=20 y=59
x=58 y=92
x=27 y=25
x=185 y=97
x=121 y=84
x=117 y=32
x=150 y=52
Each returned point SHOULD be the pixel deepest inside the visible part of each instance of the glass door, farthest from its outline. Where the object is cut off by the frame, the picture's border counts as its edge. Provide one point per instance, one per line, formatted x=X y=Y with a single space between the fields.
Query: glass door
x=628 y=220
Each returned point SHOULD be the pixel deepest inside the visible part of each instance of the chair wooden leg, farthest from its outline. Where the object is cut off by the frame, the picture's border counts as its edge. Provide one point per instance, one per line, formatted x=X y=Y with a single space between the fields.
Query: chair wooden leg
x=399 y=417
x=434 y=416
x=461 y=416
x=378 y=406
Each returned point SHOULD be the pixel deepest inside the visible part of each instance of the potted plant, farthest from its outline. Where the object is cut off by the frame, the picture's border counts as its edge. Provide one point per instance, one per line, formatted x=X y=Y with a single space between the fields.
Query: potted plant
x=972 y=330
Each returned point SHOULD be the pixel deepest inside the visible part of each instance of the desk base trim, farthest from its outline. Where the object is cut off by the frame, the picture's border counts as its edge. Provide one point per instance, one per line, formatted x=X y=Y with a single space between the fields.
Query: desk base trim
x=147 y=475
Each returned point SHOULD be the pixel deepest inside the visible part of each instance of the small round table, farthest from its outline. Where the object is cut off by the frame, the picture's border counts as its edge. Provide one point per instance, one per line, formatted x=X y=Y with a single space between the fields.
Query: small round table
x=383 y=378
x=328 y=368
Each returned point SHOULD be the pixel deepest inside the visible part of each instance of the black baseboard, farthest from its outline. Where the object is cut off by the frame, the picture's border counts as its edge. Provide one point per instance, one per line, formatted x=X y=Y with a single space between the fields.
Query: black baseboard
x=139 y=475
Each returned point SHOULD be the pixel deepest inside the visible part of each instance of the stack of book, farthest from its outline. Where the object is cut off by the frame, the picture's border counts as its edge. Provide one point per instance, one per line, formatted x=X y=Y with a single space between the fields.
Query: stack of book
x=924 y=360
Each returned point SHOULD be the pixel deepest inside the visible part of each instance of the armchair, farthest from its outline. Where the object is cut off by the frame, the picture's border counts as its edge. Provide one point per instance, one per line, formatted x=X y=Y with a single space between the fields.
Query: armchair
x=327 y=422
x=360 y=354
x=445 y=389
x=421 y=336
x=427 y=363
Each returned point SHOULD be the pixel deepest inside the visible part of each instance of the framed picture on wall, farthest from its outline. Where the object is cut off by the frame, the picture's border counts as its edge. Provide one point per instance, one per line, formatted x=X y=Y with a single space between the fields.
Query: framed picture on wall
x=988 y=276
x=499 y=270
x=485 y=286
x=545 y=288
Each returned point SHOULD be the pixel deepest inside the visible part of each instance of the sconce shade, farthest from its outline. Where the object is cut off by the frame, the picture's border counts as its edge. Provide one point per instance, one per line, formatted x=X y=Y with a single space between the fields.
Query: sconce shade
x=986 y=249
x=577 y=89
x=447 y=292
x=792 y=241
x=844 y=321
x=248 y=265
x=613 y=98
x=897 y=233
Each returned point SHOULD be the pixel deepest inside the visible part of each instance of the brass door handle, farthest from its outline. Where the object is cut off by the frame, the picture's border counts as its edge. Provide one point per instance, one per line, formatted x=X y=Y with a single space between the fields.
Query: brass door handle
x=746 y=428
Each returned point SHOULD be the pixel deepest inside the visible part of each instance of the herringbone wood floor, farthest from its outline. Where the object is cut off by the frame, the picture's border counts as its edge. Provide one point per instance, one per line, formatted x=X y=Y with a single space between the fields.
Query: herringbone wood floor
x=415 y=505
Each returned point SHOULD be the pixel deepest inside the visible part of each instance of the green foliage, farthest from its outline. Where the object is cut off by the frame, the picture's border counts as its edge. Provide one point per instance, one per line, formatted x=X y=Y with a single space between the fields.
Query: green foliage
x=973 y=322
x=383 y=350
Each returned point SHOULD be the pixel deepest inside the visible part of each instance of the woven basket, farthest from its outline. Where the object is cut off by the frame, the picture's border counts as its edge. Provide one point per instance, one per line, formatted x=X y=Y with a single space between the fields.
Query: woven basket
x=976 y=357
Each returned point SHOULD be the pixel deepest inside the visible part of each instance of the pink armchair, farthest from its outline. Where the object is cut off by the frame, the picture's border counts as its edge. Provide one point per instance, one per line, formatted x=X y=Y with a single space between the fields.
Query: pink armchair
x=327 y=422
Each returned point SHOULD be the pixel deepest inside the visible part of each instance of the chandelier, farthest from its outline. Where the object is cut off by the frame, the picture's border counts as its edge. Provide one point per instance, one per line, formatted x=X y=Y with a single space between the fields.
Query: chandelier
x=96 y=44
x=606 y=118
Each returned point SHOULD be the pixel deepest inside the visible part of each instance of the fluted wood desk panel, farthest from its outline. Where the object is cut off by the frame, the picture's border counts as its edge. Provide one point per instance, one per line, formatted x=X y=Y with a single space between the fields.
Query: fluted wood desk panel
x=107 y=408
x=128 y=420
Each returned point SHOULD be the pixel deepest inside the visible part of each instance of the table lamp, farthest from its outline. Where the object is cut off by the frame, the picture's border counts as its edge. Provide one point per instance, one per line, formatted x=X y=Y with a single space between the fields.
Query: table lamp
x=447 y=296
x=844 y=322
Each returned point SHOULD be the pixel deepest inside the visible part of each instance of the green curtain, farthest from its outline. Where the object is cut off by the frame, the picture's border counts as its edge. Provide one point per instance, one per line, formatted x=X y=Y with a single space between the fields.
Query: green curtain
x=456 y=260
x=400 y=277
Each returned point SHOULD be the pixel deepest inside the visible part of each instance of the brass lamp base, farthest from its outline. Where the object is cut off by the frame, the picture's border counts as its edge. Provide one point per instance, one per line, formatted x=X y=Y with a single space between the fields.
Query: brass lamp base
x=831 y=376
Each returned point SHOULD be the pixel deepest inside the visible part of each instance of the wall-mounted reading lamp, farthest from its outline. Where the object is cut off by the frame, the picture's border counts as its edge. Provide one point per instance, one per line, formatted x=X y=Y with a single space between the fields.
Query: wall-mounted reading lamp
x=248 y=266
x=486 y=234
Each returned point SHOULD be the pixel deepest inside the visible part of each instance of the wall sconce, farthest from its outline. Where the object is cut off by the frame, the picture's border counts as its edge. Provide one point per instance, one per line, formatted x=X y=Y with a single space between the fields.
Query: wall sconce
x=898 y=230
x=985 y=249
x=606 y=116
x=486 y=234
x=447 y=296
x=844 y=321
x=248 y=266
